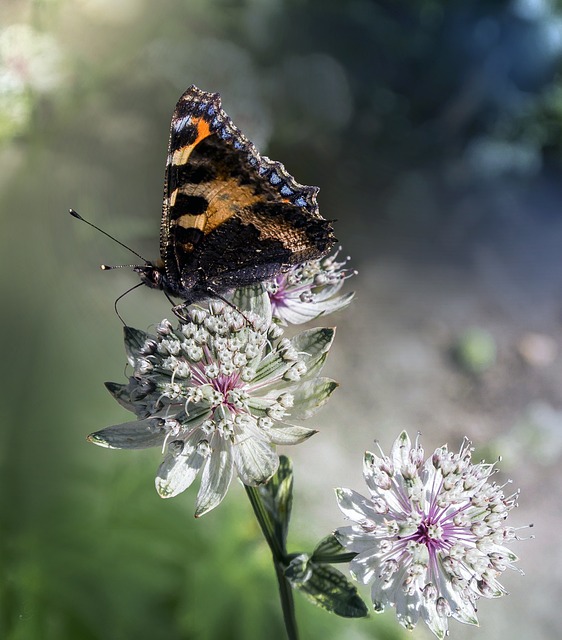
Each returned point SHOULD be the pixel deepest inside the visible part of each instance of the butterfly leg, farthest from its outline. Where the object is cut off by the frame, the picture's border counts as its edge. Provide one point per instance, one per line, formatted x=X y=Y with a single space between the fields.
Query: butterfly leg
x=179 y=310
x=215 y=294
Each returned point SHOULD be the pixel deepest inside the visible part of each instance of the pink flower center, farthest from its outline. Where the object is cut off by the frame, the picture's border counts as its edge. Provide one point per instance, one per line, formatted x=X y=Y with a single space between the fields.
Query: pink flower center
x=224 y=384
x=430 y=533
x=278 y=298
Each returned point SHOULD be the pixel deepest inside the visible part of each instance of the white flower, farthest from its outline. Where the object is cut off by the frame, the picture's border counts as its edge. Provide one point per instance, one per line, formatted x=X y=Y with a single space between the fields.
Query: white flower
x=431 y=537
x=309 y=290
x=217 y=394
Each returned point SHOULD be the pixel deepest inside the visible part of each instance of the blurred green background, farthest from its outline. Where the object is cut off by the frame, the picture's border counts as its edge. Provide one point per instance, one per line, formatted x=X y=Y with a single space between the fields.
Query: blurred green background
x=434 y=130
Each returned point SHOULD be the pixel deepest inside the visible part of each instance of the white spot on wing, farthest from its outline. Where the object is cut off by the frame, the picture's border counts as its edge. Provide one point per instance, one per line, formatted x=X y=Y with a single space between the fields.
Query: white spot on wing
x=178 y=125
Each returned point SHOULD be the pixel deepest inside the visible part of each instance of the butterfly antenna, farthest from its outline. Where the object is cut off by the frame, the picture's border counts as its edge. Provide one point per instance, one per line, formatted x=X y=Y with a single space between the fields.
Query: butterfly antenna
x=76 y=215
x=110 y=267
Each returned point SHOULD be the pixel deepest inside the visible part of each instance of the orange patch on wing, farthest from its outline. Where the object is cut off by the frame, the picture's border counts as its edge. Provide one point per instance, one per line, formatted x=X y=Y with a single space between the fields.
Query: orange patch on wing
x=181 y=156
x=227 y=199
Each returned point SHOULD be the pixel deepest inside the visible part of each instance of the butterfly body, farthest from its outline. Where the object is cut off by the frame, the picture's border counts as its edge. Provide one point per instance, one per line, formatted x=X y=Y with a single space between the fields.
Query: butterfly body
x=230 y=216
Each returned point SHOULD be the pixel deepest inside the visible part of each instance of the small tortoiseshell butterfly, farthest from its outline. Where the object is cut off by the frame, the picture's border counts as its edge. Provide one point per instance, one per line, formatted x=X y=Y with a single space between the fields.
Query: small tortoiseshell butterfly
x=230 y=217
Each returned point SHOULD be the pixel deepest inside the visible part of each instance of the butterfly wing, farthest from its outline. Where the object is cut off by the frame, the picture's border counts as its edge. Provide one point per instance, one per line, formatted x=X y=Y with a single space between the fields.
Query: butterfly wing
x=230 y=217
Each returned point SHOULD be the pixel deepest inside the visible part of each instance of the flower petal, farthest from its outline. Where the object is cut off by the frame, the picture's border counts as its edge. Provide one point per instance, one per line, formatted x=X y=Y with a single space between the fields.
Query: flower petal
x=334 y=304
x=296 y=312
x=311 y=395
x=134 y=342
x=329 y=291
x=272 y=366
x=255 y=459
x=198 y=413
x=407 y=607
x=286 y=434
x=462 y=609
x=312 y=347
x=400 y=451
x=354 y=538
x=356 y=507
x=383 y=589
x=254 y=299
x=139 y=434
x=366 y=566
x=121 y=393
x=259 y=405
x=313 y=344
x=439 y=624
x=216 y=478
x=179 y=469
x=293 y=311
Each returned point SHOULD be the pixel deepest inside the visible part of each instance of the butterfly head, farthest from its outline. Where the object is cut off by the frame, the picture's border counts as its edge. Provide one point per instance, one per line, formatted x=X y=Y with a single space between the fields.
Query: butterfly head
x=152 y=275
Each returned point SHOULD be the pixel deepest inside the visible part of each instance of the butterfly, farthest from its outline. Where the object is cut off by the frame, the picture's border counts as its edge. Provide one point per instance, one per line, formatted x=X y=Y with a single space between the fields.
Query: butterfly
x=230 y=217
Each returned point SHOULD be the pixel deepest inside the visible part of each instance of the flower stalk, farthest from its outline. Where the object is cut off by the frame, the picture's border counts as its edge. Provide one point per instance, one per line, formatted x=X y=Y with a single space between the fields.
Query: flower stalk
x=279 y=553
x=311 y=574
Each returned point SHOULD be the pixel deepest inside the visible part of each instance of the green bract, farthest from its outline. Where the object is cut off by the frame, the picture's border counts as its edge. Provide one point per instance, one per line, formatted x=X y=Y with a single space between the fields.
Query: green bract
x=217 y=394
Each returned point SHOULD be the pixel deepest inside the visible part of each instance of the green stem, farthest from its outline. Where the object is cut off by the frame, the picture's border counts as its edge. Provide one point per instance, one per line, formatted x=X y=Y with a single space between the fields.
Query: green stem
x=287 y=603
x=279 y=554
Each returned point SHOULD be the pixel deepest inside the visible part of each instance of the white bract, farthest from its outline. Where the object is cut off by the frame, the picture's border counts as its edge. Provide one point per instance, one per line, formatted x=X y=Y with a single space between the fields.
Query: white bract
x=309 y=290
x=217 y=393
x=431 y=536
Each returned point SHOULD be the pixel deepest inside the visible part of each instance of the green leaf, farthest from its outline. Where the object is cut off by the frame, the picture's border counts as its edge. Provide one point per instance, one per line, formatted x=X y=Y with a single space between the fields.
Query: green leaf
x=328 y=546
x=326 y=587
x=329 y=550
x=277 y=497
x=298 y=570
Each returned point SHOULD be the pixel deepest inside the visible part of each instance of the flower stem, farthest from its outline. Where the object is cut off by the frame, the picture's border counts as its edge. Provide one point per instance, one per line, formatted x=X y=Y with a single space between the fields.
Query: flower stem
x=279 y=553
x=287 y=603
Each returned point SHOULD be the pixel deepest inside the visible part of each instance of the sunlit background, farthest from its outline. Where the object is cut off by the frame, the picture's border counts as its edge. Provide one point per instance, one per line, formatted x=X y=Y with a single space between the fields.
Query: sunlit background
x=434 y=130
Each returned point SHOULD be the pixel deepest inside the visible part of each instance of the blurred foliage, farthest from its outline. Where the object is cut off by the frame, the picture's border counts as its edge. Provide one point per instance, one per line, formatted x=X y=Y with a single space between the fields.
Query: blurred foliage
x=376 y=101
x=475 y=350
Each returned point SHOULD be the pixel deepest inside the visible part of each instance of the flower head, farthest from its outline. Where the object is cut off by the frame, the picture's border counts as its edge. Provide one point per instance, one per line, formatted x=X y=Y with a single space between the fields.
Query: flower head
x=309 y=290
x=216 y=393
x=431 y=537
